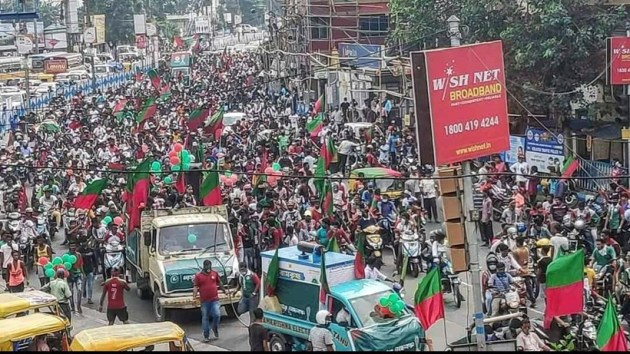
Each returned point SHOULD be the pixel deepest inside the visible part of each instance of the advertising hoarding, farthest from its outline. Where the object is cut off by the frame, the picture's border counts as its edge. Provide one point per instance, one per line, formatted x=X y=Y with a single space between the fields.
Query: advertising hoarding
x=619 y=58
x=367 y=55
x=55 y=66
x=98 y=21
x=544 y=150
x=467 y=102
x=517 y=146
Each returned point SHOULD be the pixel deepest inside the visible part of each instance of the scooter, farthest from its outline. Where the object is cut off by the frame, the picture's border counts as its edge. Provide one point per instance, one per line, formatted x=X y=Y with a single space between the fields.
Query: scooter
x=113 y=256
x=13 y=224
x=373 y=242
x=410 y=248
x=450 y=281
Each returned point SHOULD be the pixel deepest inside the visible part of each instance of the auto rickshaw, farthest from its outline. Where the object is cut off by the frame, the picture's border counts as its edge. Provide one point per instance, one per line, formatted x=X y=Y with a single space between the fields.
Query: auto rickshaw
x=391 y=187
x=34 y=331
x=133 y=337
x=27 y=303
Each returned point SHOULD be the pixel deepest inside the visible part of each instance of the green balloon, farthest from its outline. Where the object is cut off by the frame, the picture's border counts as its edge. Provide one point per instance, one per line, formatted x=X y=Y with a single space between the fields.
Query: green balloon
x=49 y=272
x=275 y=166
x=186 y=159
x=175 y=168
x=107 y=220
x=156 y=166
x=396 y=307
x=185 y=166
x=393 y=298
x=168 y=179
x=67 y=265
x=401 y=304
x=383 y=301
x=57 y=261
x=48 y=265
x=73 y=259
x=192 y=238
x=65 y=258
x=228 y=173
x=185 y=154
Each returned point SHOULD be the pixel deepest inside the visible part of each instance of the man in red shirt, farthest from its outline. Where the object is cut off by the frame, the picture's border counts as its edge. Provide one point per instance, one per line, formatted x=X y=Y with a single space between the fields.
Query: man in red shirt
x=205 y=289
x=114 y=289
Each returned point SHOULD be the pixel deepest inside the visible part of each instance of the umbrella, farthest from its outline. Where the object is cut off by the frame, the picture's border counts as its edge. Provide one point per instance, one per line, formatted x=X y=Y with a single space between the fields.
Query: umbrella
x=50 y=126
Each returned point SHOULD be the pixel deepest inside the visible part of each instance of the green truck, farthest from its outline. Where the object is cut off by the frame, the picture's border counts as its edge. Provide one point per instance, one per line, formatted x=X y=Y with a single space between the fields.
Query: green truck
x=168 y=250
x=298 y=295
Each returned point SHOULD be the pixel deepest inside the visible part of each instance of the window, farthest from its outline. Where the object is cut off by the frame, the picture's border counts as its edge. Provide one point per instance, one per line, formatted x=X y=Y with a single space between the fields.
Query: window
x=319 y=27
x=374 y=26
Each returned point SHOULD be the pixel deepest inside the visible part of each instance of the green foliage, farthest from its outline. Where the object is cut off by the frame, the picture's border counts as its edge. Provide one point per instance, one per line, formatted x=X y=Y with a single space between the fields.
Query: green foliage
x=550 y=47
x=49 y=13
x=118 y=18
x=567 y=344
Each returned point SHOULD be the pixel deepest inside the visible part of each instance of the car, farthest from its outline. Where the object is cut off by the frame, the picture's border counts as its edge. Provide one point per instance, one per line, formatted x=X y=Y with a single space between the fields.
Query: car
x=246 y=28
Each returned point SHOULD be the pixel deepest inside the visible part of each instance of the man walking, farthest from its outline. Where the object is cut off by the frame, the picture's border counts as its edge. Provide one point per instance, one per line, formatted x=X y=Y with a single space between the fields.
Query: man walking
x=249 y=284
x=114 y=289
x=75 y=280
x=60 y=289
x=205 y=284
x=257 y=333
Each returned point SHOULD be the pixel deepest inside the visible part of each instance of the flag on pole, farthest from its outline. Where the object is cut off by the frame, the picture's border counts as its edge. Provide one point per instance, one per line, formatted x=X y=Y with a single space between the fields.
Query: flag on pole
x=565 y=286
x=155 y=79
x=323 y=280
x=197 y=118
x=359 y=257
x=327 y=199
x=148 y=110
x=333 y=245
x=90 y=193
x=315 y=126
x=320 y=105
x=138 y=185
x=428 y=300
x=328 y=151
x=610 y=336
x=210 y=191
x=271 y=280
x=177 y=41
x=214 y=123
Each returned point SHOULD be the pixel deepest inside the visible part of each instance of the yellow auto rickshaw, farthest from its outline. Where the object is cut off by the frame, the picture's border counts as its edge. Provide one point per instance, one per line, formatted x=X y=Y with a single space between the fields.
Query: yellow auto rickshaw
x=28 y=303
x=159 y=336
x=36 y=332
x=387 y=180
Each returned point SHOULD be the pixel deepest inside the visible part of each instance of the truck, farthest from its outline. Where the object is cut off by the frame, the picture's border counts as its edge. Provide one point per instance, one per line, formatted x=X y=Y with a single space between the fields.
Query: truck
x=163 y=256
x=289 y=313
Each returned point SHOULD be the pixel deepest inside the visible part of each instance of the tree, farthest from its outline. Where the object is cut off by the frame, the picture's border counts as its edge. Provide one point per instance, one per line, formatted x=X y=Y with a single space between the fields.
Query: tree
x=118 y=18
x=551 y=47
x=49 y=13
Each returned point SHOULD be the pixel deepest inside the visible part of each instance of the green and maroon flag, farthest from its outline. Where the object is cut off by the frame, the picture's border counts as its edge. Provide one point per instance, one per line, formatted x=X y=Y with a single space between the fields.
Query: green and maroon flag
x=327 y=199
x=565 y=286
x=197 y=118
x=428 y=300
x=610 y=336
x=328 y=151
x=120 y=105
x=90 y=193
x=214 y=123
x=333 y=245
x=315 y=126
x=359 y=257
x=210 y=191
x=177 y=41
x=271 y=280
x=323 y=280
x=155 y=79
x=320 y=105
x=320 y=173
x=138 y=185
x=148 y=110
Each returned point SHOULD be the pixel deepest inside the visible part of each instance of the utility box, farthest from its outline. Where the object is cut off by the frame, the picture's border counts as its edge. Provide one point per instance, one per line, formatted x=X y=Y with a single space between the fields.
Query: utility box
x=451 y=208
x=454 y=233
x=459 y=259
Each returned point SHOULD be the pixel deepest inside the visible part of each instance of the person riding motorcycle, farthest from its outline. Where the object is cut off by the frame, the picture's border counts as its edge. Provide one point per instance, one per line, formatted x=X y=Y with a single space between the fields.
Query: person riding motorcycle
x=48 y=203
x=499 y=282
x=505 y=257
x=438 y=249
x=491 y=268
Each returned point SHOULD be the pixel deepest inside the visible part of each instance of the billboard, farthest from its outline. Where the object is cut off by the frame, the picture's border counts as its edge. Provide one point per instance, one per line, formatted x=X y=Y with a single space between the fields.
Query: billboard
x=619 y=58
x=544 y=150
x=98 y=21
x=55 y=66
x=517 y=147
x=467 y=102
x=367 y=55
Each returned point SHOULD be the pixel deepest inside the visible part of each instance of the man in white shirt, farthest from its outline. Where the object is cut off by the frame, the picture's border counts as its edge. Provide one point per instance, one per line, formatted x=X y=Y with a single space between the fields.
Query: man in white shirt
x=521 y=169
x=529 y=342
x=345 y=149
x=372 y=270
x=428 y=187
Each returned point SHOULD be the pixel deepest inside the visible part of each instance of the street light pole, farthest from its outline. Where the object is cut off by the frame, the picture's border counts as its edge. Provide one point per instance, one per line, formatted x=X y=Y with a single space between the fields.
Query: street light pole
x=469 y=224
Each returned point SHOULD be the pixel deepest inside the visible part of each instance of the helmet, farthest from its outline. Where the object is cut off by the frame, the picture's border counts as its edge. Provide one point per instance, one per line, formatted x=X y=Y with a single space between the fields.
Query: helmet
x=307 y=213
x=521 y=227
x=491 y=261
x=566 y=221
x=579 y=224
x=28 y=210
x=543 y=242
x=437 y=234
x=322 y=317
x=511 y=230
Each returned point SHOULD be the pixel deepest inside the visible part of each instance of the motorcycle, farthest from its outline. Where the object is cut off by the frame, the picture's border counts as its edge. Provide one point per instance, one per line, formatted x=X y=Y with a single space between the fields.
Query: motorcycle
x=604 y=280
x=113 y=256
x=13 y=223
x=450 y=281
x=511 y=301
x=373 y=242
x=410 y=247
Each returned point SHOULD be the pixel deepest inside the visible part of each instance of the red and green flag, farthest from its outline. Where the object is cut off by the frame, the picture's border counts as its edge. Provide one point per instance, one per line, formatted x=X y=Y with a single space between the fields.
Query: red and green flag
x=327 y=199
x=320 y=173
x=328 y=152
x=214 y=123
x=210 y=190
x=359 y=257
x=333 y=245
x=323 y=280
x=610 y=335
x=90 y=193
x=197 y=118
x=138 y=186
x=177 y=41
x=148 y=110
x=155 y=79
x=320 y=105
x=271 y=280
x=120 y=105
x=565 y=285
x=428 y=300
x=180 y=184
x=315 y=126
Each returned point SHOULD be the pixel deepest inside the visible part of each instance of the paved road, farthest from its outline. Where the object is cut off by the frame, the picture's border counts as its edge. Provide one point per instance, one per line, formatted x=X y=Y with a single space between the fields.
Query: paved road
x=233 y=334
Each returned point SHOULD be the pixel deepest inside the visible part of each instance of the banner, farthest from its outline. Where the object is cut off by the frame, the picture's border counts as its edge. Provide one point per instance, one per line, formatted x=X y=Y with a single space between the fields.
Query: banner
x=544 y=150
x=403 y=335
x=619 y=58
x=98 y=21
x=517 y=146
x=467 y=101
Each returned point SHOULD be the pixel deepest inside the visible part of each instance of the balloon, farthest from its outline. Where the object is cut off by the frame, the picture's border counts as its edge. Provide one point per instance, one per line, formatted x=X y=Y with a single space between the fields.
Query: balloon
x=401 y=304
x=383 y=301
x=275 y=166
x=269 y=170
x=228 y=182
x=65 y=258
x=168 y=180
x=49 y=272
x=172 y=153
x=42 y=261
x=156 y=166
x=234 y=178
x=185 y=154
x=186 y=159
x=185 y=166
x=57 y=261
x=228 y=173
x=222 y=178
x=276 y=173
x=178 y=147
x=107 y=219
x=48 y=265
x=174 y=160
x=176 y=168
x=192 y=158
x=73 y=259
x=67 y=265
x=272 y=181
x=118 y=220
x=393 y=298
x=192 y=238
x=396 y=307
